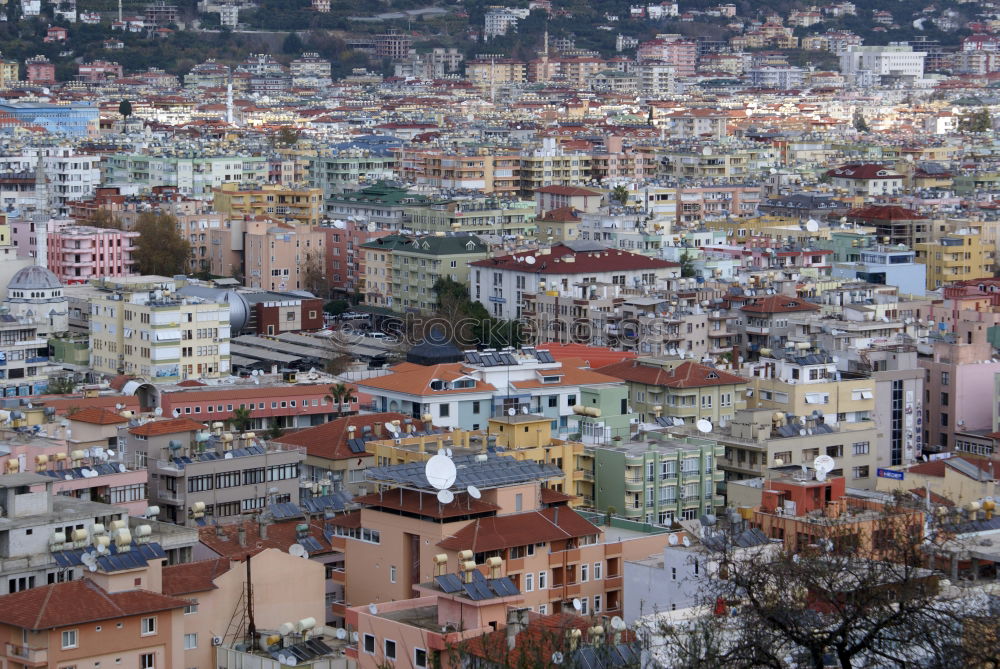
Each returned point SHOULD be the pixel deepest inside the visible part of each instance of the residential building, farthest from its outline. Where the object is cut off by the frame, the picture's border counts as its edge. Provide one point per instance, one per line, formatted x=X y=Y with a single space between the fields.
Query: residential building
x=401 y=271
x=579 y=199
x=868 y=66
x=483 y=216
x=956 y=257
x=276 y=256
x=195 y=175
x=139 y=327
x=499 y=20
x=10 y=74
x=501 y=282
x=886 y=265
x=25 y=357
x=310 y=70
x=767 y=321
x=658 y=480
x=196 y=474
x=345 y=169
x=380 y=204
x=345 y=261
x=78 y=253
x=866 y=180
x=681 y=389
x=299 y=206
x=890 y=224
x=40 y=70
x=954 y=482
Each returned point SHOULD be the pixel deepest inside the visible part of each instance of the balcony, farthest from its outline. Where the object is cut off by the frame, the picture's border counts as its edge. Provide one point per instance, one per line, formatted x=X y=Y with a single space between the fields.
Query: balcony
x=27 y=655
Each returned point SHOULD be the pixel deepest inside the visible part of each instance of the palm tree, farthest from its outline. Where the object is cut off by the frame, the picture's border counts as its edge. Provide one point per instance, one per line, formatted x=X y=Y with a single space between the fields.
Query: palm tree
x=340 y=394
x=241 y=420
x=620 y=193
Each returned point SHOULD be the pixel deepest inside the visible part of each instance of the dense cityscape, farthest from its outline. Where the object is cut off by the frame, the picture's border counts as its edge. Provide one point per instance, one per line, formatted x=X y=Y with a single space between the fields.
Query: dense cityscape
x=427 y=334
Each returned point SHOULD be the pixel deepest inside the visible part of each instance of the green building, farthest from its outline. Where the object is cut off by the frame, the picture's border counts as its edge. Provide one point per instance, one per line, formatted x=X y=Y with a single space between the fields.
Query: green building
x=381 y=204
x=344 y=170
x=847 y=245
x=604 y=414
x=401 y=270
x=658 y=479
x=482 y=216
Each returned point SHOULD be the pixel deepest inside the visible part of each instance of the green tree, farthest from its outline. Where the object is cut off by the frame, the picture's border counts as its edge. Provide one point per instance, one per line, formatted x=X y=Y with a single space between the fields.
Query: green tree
x=620 y=194
x=275 y=431
x=287 y=136
x=336 y=307
x=102 y=218
x=860 y=124
x=340 y=394
x=240 y=420
x=125 y=109
x=977 y=121
x=292 y=44
x=687 y=264
x=160 y=248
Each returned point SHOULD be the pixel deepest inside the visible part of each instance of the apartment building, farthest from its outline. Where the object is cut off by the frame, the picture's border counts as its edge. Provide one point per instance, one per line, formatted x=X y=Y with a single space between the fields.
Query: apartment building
x=490 y=71
x=78 y=253
x=140 y=327
x=345 y=261
x=275 y=255
x=482 y=216
x=195 y=175
x=681 y=389
x=67 y=175
x=380 y=205
x=297 y=205
x=195 y=473
x=345 y=169
x=25 y=356
x=765 y=321
x=552 y=553
x=866 y=180
x=400 y=271
x=956 y=257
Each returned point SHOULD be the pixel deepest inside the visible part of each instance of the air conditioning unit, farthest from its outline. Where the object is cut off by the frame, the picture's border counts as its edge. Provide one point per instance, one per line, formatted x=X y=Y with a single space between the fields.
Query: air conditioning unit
x=216 y=640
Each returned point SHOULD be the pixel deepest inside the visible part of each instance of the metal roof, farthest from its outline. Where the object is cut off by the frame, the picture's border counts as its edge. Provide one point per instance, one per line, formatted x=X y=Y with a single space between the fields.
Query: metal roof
x=495 y=471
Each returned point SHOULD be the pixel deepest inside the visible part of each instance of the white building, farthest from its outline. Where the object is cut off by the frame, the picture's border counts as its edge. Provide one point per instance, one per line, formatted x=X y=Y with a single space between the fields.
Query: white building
x=657 y=79
x=867 y=65
x=501 y=19
x=501 y=282
x=68 y=175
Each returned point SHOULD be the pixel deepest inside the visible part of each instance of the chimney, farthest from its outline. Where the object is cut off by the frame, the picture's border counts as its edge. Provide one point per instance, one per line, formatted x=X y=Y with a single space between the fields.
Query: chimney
x=517 y=622
x=241 y=533
x=262 y=527
x=377 y=430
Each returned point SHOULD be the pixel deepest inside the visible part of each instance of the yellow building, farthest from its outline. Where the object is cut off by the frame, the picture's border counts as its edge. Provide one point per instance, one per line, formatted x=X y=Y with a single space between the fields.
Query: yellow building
x=522 y=436
x=956 y=257
x=140 y=327
x=483 y=72
x=301 y=205
x=741 y=231
x=9 y=73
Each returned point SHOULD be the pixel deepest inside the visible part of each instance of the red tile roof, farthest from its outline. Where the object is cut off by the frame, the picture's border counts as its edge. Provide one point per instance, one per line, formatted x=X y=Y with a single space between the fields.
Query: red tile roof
x=156 y=428
x=279 y=535
x=426 y=504
x=686 y=375
x=936 y=499
x=863 y=171
x=885 y=212
x=550 y=496
x=78 y=602
x=568 y=190
x=329 y=440
x=191 y=577
x=571 y=376
x=560 y=215
x=520 y=529
x=63 y=404
x=416 y=379
x=561 y=259
x=778 y=304
x=594 y=356
x=98 y=416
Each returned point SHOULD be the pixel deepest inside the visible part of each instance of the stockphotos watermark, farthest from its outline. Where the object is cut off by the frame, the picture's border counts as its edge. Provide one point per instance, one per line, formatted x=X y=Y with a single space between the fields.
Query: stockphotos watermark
x=413 y=329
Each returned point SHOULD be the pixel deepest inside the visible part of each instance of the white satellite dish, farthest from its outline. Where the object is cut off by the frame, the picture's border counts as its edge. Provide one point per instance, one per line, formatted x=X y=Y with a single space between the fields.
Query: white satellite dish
x=341 y=633
x=446 y=496
x=823 y=464
x=177 y=413
x=524 y=409
x=686 y=541
x=101 y=549
x=473 y=492
x=557 y=657
x=354 y=637
x=92 y=567
x=672 y=539
x=393 y=429
x=802 y=433
x=158 y=411
x=812 y=225
x=529 y=260
x=704 y=425
x=617 y=624
x=448 y=452
x=577 y=604
x=372 y=609
x=440 y=471
x=297 y=550
x=511 y=411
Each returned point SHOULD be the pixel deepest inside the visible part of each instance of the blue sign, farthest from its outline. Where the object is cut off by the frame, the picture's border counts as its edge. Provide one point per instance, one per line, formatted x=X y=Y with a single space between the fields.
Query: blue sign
x=890 y=474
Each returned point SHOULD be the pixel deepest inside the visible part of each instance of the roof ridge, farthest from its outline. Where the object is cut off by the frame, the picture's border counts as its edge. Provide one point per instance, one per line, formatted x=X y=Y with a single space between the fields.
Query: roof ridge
x=41 y=609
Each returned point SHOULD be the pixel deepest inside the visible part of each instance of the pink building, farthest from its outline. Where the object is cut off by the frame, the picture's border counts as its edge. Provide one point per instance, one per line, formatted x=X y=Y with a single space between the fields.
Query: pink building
x=99 y=70
x=78 y=253
x=681 y=53
x=274 y=254
x=40 y=70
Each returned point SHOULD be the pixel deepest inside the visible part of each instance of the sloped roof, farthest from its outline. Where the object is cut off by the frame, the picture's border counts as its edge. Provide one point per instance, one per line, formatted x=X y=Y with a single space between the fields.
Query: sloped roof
x=520 y=529
x=156 y=428
x=329 y=440
x=688 y=374
x=191 y=577
x=416 y=379
x=565 y=259
x=777 y=304
x=98 y=416
x=78 y=602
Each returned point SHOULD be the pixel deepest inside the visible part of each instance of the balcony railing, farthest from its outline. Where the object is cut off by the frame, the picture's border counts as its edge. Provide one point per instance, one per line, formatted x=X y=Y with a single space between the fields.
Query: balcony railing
x=27 y=654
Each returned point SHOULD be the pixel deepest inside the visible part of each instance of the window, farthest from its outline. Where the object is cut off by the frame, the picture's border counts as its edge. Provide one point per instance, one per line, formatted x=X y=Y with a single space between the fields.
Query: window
x=444 y=410
x=419 y=658
x=543 y=609
x=553 y=401
x=370 y=644
x=598 y=566
x=945 y=378
x=190 y=641
x=584 y=573
x=69 y=639
x=529 y=582
x=860 y=448
x=543 y=580
x=392 y=574
x=147 y=661
x=860 y=472
x=597 y=603
x=944 y=399
x=148 y=626
x=390 y=649
x=190 y=608
x=584 y=602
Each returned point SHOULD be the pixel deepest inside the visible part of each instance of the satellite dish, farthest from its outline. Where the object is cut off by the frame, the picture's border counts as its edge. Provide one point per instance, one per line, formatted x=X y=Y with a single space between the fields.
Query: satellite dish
x=119 y=406
x=796 y=558
x=812 y=226
x=823 y=464
x=704 y=425
x=577 y=604
x=297 y=550
x=101 y=549
x=473 y=492
x=158 y=411
x=446 y=496
x=440 y=471
x=92 y=567
x=557 y=657
x=672 y=539
x=177 y=413
x=524 y=409
x=802 y=433
x=617 y=624
x=686 y=541
x=529 y=260
x=341 y=633
x=511 y=411
x=372 y=609
x=354 y=637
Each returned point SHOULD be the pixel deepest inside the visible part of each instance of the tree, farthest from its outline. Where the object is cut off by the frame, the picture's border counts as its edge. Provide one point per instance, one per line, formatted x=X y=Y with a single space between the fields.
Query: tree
x=240 y=419
x=275 y=431
x=687 y=264
x=620 y=193
x=341 y=394
x=102 y=218
x=861 y=595
x=160 y=248
x=860 y=124
x=125 y=109
x=288 y=136
x=314 y=277
x=977 y=121
x=337 y=307
x=292 y=44
x=470 y=323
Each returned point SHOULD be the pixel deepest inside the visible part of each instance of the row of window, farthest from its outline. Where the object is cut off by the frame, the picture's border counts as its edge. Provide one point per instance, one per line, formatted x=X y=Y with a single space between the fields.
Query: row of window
x=285 y=404
x=242 y=477
x=389 y=650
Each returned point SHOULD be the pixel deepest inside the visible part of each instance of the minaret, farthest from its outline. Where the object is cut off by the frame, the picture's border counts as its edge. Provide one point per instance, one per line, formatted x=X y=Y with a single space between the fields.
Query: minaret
x=545 y=56
x=229 y=99
x=119 y=11
x=43 y=200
